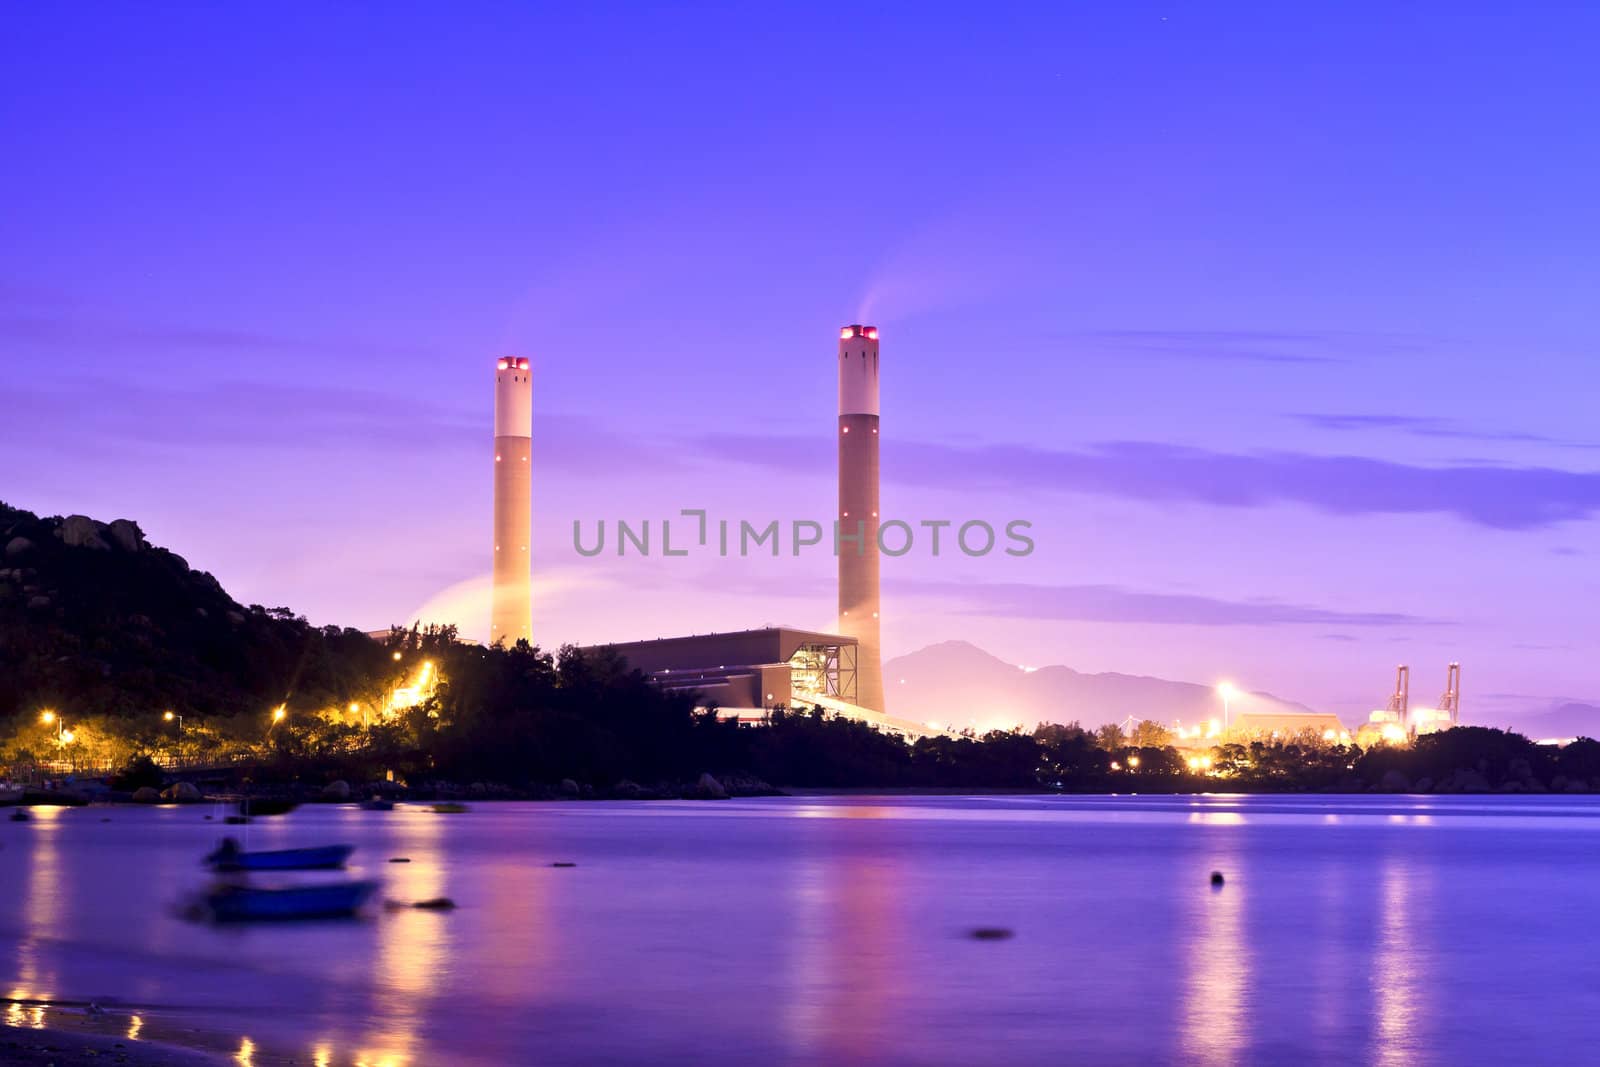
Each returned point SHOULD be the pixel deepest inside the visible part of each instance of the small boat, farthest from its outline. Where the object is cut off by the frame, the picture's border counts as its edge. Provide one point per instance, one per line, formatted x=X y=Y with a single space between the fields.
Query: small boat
x=377 y=804
x=230 y=857
x=449 y=807
x=246 y=904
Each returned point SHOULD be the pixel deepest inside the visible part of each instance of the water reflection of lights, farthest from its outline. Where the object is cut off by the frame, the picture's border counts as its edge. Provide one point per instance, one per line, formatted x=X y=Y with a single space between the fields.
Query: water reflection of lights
x=322 y=1055
x=847 y=954
x=412 y=948
x=1217 y=818
x=41 y=907
x=246 y=1056
x=364 y=1059
x=1214 y=1004
x=135 y=1024
x=1399 y=985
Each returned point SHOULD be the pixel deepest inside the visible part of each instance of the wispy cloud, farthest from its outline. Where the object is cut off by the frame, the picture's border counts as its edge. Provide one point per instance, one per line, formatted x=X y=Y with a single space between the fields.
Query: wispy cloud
x=1311 y=347
x=1432 y=426
x=100 y=332
x=1114 y=604
x=1502 y=497
x=229 y=414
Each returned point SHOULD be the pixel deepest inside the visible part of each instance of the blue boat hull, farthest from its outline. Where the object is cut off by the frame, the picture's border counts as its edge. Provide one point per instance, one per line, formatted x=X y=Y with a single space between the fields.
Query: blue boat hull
x=241 y=904
x=325 y=858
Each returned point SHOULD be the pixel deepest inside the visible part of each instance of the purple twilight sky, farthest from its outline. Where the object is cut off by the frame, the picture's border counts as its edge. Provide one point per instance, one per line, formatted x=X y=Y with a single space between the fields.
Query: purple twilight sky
x=1278 y=322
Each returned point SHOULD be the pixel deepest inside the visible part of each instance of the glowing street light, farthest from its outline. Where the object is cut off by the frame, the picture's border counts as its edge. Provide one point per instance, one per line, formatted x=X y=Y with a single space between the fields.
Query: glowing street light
x=397 y=656
x=1227 y=692
x=63 y=735
x=278 y=715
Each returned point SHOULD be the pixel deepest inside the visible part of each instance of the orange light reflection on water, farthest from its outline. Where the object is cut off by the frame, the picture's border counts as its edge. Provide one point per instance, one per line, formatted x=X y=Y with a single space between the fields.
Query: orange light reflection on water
x=850 y=949
x=1213 y=1028
x=412 y=946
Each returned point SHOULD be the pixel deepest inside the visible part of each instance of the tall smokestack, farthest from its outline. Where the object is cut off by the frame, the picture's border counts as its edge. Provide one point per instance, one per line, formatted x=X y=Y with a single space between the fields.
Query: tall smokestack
x=858 y=507
x=511 y=616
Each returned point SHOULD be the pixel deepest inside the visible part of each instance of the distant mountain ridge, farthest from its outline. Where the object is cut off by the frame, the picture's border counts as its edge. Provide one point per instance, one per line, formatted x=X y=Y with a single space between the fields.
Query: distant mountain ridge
x=956 y=683
x=1569 y=719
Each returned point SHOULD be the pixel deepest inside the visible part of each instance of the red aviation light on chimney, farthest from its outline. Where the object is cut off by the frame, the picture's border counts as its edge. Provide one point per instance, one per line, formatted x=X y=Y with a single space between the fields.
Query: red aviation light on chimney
x=872 y=333
x=504 y=364
x=846 y=333
x=522 y=364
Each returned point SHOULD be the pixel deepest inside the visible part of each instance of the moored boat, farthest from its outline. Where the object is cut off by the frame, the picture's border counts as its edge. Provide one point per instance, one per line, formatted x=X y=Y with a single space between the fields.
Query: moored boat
x=248 y=904
x=230 y=857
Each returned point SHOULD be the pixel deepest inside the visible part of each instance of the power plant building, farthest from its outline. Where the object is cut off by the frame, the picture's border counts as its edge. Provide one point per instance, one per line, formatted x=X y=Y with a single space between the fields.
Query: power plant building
x=750 y=668
x=748 y=673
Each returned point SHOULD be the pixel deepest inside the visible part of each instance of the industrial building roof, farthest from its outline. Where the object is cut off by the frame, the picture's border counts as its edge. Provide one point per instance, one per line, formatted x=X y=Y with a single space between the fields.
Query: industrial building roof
x=740 y=648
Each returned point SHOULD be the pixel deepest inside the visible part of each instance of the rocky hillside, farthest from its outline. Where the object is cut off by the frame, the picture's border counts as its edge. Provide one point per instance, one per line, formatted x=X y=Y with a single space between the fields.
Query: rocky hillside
x=96 y=620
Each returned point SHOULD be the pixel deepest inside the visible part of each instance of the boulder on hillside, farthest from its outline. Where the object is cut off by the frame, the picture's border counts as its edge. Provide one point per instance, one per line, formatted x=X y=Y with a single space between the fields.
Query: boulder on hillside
x=708 y=788
x=80 y=531
x=146 y=794
x=336 y=792
x=18 y=546
x=126 y=534
x=569 y=787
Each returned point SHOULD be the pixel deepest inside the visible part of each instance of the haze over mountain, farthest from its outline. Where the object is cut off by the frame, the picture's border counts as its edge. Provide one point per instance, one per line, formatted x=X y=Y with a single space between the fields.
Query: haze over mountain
x=1567 y=719
x=959 y=684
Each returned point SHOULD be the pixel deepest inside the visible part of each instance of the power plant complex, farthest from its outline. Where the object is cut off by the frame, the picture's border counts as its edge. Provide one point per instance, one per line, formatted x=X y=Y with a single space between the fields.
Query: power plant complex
x=744 y=673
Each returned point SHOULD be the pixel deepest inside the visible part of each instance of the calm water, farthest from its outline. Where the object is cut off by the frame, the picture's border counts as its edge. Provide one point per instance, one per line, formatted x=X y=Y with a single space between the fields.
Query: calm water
x=811 y=931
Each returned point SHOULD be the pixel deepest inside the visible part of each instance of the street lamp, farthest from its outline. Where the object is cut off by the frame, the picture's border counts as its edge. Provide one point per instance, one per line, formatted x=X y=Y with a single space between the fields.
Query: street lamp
x=63 y=735
x=172 y=716
x=1227 y=692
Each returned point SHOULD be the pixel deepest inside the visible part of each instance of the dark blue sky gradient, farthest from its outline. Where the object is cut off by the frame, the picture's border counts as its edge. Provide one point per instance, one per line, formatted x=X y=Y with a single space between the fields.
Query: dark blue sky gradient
x=1282 y=314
